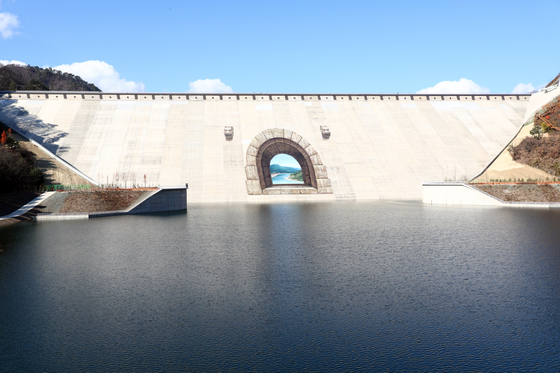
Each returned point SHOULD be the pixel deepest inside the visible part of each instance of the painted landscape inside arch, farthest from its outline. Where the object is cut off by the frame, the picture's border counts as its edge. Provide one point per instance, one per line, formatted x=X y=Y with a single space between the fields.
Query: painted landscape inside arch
x=285 y=170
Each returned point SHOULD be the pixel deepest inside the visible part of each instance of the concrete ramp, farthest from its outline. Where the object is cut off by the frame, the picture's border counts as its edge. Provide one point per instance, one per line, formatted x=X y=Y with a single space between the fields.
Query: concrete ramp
x=380 y=147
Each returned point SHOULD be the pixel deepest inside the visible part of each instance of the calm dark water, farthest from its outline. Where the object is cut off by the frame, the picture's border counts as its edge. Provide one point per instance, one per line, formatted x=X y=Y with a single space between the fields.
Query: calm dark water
x=299 y=287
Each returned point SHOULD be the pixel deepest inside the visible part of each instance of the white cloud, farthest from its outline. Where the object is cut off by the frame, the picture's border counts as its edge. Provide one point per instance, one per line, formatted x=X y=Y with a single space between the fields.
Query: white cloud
x=463 y=85
x=8 y=22
x=103 y=75
x=12 y=62
x=523 y=88
x=209 y=86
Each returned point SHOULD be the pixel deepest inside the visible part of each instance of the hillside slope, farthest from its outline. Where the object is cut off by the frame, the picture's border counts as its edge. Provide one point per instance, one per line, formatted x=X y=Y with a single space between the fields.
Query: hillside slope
x=33 y=78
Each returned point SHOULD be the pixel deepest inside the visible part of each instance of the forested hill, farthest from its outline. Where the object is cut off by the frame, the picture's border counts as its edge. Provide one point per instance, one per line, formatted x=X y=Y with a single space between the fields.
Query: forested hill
x=33 y=78
x=277 y=169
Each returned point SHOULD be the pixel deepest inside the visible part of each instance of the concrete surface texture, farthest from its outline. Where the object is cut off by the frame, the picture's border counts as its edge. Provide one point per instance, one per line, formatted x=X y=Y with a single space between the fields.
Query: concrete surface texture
x=13 y=217
x=503 y=167
x=381 y=146
x=539 y=99
x=164 y=199
x=456 y=194
x=463 y=194
x=160 y=200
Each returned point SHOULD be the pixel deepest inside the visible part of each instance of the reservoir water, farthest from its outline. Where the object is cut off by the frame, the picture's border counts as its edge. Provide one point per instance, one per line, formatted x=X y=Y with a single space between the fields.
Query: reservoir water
x=284 y=179
x=381 y=286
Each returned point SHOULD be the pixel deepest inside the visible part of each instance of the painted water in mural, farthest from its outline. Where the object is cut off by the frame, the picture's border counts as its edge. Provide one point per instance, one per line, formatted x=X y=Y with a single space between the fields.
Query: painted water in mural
x=324 y=287
x=285 y=170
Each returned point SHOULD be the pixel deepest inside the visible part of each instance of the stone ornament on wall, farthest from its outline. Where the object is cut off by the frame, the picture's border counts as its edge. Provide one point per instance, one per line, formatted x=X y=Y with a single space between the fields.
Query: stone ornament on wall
x=228 y=132
x=271 y=142
x=325 y=132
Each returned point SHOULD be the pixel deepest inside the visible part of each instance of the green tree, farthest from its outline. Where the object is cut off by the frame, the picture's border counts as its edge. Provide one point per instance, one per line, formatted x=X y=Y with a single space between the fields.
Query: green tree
x=35 y=85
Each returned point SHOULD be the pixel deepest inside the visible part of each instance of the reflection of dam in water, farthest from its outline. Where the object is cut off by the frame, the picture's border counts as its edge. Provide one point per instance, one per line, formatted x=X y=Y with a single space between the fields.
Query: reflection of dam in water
x=380 y=146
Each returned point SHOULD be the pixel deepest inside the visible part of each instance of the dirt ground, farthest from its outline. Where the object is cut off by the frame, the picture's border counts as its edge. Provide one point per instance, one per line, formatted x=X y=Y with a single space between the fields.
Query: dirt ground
x=100 y=200
x=79 y=201
x=523 y=192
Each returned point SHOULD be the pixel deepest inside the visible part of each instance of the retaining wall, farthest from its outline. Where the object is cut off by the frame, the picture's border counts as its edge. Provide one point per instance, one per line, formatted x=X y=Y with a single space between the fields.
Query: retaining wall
x=463 y=194
x=161 y=200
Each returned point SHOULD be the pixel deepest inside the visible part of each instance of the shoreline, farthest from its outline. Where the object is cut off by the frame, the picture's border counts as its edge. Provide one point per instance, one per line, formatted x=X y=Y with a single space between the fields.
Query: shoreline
x=288 y=178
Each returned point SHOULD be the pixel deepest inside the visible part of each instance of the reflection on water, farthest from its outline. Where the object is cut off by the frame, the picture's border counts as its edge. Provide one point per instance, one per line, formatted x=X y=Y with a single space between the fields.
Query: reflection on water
x=316 y=287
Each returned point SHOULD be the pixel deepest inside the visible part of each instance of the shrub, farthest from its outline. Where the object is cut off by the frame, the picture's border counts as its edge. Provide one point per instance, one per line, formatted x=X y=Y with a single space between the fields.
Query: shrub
x=18 y=171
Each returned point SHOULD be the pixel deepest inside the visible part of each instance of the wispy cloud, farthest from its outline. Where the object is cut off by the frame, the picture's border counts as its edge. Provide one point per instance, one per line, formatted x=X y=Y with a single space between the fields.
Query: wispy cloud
x=103 y=75
x=209 y=86
x=8 y=23
x=462 y=85
x=522 y=88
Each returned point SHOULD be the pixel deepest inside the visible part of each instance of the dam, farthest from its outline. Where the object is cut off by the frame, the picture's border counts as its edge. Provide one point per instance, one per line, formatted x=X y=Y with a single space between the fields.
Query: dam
x=350 y=147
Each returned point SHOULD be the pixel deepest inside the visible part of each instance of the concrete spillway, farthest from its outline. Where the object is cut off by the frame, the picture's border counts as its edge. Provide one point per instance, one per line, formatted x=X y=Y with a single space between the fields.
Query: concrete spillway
x=381 y=146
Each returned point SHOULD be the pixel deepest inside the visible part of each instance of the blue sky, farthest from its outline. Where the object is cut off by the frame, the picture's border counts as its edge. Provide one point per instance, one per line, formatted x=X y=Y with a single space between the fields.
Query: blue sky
x=285 y=160
x=288 y=46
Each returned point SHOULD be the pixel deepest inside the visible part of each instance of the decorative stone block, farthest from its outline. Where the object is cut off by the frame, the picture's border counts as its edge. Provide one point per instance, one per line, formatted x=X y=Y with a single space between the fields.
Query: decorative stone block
x=228 y=132
x=251 y=172
x=252 y=151
x=253 y=187
x=262 y=138
x=303 y=143
x=256 y=143
x=295 y=138
x=324 y=186
x=266 y=173
x=325 y=132
x=310 y=150
x=320 y=171
x=268 y=133
x=315 y=159
x=278 y=132
x=251 y=160
x=308 y=190
x=275 y=148
x=293 y=151
x=287 y=134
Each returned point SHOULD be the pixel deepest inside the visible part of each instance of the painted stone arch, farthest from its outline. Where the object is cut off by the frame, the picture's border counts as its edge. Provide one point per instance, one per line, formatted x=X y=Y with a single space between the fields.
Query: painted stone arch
x=272 y=142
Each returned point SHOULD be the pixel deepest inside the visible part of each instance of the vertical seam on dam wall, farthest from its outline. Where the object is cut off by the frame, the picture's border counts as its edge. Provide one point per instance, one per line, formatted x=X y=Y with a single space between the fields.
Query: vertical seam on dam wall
x=272 y=142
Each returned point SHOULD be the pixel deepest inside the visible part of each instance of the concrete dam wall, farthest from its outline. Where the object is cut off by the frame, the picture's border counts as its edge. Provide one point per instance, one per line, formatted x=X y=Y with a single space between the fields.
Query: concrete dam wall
x=380 y=146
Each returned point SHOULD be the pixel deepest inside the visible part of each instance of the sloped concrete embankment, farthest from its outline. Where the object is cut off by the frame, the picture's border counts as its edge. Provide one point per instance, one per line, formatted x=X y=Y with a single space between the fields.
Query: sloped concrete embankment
x=528 y=195
x=483 y=189
x=160 y=200
x=26 y=212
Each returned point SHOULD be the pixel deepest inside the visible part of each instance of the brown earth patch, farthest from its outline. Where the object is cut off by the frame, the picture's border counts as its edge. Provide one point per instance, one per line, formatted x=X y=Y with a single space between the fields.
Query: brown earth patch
x=543 y=153
x=101 y=200
x=523 y=192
